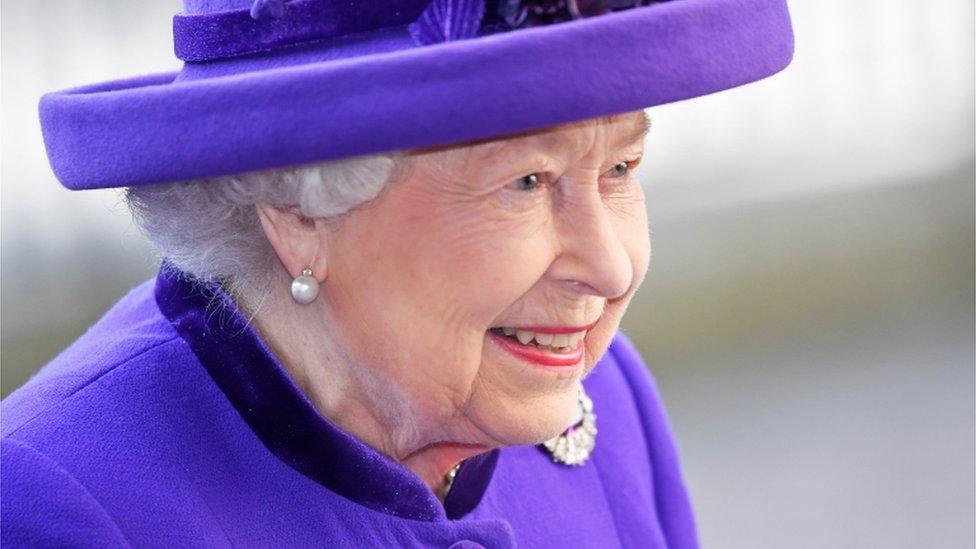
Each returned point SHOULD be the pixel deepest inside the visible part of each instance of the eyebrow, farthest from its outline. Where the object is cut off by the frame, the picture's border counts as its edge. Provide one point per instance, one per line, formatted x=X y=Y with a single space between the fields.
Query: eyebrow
x=638 y=132
x=630 y=136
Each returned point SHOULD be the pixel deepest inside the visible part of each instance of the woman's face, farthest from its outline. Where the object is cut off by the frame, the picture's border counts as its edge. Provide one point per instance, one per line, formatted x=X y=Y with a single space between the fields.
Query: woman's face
x=545 y=230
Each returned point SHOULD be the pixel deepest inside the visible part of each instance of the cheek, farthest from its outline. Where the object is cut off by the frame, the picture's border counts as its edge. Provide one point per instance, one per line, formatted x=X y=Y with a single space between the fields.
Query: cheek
x=637 y=241
x=478 y=256
x=629 y=218
x=494 y=263
x=443 y=270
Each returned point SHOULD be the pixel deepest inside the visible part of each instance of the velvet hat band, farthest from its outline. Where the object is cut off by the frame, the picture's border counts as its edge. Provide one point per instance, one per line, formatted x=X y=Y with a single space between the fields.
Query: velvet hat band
x=209 y=36
x=271 y=24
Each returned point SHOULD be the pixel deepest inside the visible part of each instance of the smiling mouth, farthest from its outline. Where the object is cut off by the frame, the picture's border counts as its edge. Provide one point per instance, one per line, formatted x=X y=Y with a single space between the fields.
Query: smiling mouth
x=554 y=343
x=540 y=348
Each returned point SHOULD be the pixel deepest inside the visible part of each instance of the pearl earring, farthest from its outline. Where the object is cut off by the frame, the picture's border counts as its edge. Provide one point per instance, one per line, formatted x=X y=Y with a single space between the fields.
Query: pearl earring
x=304 y=289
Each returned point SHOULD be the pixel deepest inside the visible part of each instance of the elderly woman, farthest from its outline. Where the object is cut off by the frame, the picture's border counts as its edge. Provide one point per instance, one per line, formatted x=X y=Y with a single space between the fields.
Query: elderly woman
x=398 y=241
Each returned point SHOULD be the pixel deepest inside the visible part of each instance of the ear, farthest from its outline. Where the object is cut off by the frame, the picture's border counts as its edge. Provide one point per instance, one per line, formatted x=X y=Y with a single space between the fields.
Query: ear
x=299 y=242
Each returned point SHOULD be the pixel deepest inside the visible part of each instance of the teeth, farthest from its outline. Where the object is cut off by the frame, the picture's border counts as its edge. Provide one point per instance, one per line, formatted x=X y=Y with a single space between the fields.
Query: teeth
x=563 y=342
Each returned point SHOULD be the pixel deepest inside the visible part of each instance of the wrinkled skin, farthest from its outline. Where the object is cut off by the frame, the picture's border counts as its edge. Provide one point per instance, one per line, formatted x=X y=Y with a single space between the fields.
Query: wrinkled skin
x=395 y=349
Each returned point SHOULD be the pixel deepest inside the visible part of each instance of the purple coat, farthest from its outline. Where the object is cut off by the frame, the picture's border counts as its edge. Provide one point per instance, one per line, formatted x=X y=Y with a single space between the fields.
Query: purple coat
x=171 y=424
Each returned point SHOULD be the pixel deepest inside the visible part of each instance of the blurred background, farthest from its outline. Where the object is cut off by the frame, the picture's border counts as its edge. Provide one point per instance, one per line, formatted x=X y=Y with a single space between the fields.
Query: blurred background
x=809 y=312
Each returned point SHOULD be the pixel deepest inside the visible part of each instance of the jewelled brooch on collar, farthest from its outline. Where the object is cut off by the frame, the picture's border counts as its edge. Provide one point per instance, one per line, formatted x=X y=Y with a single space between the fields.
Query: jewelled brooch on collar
x=574 y=445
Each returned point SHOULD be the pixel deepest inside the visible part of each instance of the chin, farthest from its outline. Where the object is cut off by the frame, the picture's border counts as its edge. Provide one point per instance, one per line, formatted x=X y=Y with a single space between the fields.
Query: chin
x=521 y=421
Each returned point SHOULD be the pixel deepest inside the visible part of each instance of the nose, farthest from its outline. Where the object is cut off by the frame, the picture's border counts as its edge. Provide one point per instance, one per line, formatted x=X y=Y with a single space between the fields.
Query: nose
x=592 y=257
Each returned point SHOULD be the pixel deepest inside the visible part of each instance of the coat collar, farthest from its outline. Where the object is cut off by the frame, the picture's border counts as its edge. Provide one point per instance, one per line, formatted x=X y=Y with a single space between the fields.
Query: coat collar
x=283 y=418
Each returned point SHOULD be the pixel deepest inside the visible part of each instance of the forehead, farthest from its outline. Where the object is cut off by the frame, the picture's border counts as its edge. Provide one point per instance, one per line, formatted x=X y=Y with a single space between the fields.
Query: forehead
x=621 y=130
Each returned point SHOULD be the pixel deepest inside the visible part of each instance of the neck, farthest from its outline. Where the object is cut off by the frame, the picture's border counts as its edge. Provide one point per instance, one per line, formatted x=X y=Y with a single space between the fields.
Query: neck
x=335 y=387
x=433 y=462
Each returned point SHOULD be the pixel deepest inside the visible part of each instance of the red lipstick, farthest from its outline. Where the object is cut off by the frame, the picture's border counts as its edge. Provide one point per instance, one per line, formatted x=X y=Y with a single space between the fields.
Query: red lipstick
x=537 y=355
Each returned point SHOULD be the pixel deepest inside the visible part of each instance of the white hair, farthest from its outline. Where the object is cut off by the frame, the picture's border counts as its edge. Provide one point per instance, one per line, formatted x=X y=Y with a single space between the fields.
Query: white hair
x=209 y=228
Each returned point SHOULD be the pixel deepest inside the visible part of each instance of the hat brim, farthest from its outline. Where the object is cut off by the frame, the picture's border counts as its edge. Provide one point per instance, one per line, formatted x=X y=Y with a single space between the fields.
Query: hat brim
x=157 y=128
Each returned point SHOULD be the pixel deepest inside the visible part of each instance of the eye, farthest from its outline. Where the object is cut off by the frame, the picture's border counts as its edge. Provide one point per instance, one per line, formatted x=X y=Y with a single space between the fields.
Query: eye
x=527 y=182
x=621 y=169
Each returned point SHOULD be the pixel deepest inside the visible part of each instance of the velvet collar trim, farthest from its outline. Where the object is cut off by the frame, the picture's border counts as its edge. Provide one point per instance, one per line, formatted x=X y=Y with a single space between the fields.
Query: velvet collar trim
x=286 y=421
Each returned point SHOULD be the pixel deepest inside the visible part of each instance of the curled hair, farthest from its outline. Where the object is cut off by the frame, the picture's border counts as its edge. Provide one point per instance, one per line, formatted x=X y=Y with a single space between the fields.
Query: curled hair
x=209 y=228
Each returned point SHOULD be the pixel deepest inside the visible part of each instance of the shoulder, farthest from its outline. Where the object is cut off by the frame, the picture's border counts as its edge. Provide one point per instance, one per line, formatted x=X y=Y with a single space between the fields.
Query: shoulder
x=634 y=429
x=626 y=384
x=128 y=333
x=100 y=378
x=44 y=506
x=638 y=378
x=116 y=404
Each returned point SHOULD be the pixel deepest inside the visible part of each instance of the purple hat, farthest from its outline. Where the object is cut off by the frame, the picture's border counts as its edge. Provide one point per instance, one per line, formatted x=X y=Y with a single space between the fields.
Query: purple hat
x=271 y=83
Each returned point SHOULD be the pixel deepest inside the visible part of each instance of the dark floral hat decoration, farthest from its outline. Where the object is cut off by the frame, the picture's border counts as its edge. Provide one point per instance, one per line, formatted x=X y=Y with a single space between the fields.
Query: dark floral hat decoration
x=269 y=83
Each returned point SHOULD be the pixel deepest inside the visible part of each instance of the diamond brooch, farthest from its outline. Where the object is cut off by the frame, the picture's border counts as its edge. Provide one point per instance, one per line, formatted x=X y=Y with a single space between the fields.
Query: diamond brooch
x=574 y=445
